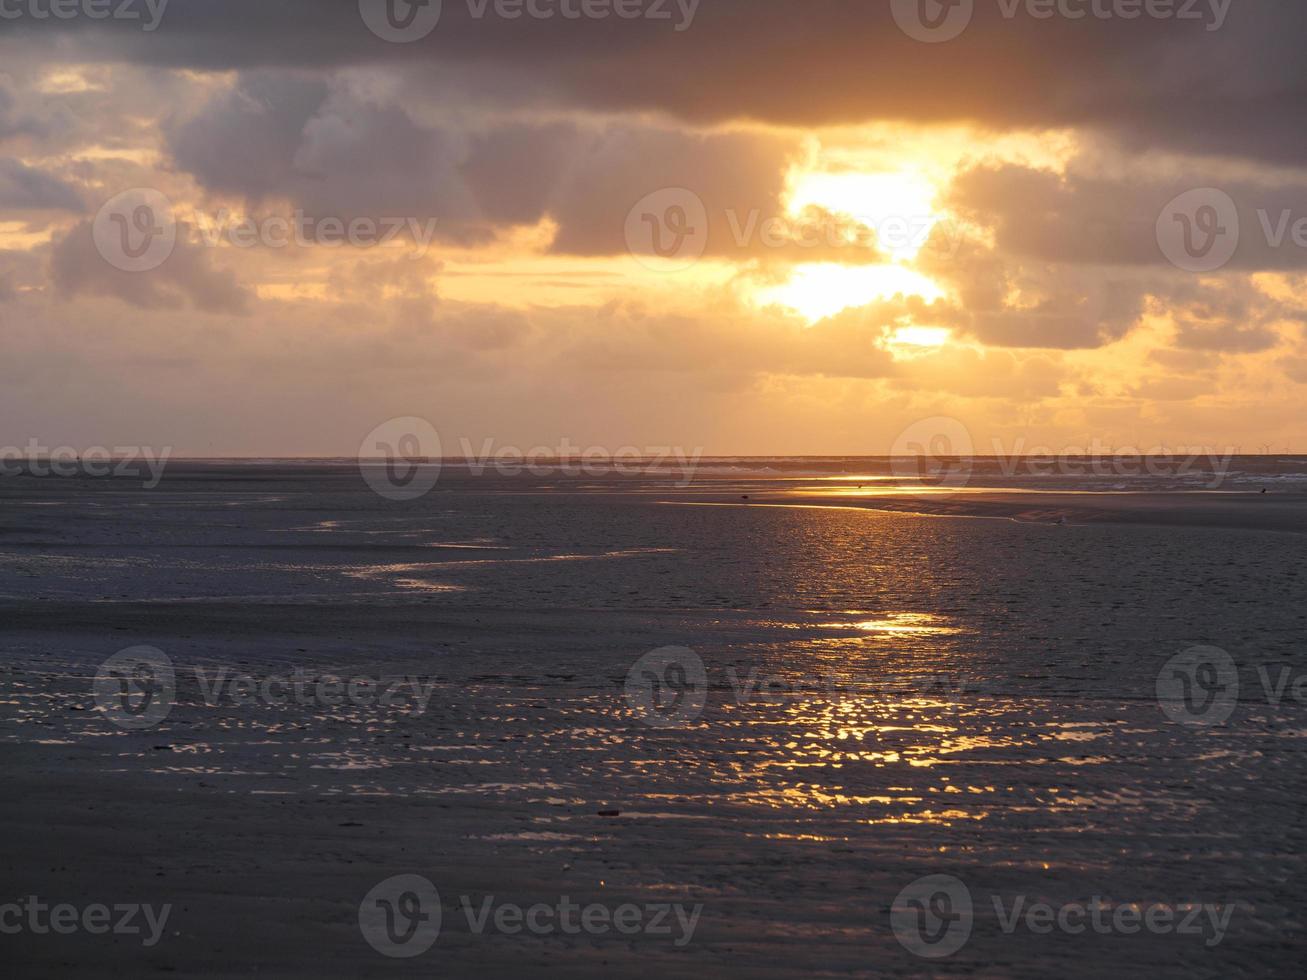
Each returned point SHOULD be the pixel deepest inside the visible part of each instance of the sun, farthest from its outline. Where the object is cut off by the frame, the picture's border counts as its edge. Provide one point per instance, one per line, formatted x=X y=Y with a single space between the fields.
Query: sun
x=921 y=338
x=899 y=208
x=822 y=289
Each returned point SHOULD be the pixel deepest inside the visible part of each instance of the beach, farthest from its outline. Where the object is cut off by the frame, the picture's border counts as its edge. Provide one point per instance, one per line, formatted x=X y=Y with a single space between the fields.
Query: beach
x=650 y=488
x=899 y=682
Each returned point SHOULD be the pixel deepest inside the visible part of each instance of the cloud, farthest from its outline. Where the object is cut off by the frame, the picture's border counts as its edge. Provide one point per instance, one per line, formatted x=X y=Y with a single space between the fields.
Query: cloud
x=336 y=151
x=1295 y=368
x=282 y=137
x=967 y=372
x=1171 y=389
x=508 y=132
x=736 y=181
x=629 y=339
x=1080 y=218
x=23 y=188
x=1073 y=260
x=1228 y=316
x=1175 y=82
x=728 y=377
x=20 y=270
x=245 y=140
x=1010 y=300
x=186 y=277
x=11 y=124
x=19 y=120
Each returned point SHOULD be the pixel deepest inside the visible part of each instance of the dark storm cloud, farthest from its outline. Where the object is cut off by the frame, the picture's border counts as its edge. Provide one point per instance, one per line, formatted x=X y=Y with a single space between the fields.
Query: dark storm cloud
x=284 y=136
x=1172 y=82
x=24 y=189
x=732 y=174
x=246 y=141
x=1037 y=214
x=514 y=169
x=11 y=123
x=330 y=151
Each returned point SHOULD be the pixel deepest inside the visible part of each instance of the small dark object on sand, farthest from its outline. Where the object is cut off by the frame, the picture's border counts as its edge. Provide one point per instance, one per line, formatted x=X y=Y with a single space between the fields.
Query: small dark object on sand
x=610 y=813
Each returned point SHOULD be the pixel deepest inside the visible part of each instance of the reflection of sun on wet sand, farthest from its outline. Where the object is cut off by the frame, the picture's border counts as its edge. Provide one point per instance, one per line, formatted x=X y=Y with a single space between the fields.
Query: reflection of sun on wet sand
x=1249 y=511
x=900 y=624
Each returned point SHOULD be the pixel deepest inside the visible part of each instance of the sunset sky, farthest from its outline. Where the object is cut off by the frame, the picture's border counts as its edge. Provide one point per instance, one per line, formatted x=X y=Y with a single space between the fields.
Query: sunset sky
x=862 y=228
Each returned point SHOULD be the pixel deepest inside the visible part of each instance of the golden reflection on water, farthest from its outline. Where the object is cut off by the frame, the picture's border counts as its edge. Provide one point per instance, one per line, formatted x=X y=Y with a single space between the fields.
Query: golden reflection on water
x=901 y=624
x=877 y=753
x=862 y=478
x=879 y=489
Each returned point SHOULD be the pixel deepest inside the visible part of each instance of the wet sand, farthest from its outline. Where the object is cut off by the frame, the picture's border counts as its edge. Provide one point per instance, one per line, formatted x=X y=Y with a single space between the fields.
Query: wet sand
x=970 y=697
x=1245 y=511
